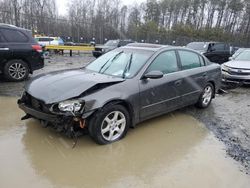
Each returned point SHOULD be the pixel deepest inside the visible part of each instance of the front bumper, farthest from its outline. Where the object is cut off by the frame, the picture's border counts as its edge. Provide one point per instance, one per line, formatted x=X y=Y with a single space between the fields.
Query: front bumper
x=237 y=79
x=38 y=114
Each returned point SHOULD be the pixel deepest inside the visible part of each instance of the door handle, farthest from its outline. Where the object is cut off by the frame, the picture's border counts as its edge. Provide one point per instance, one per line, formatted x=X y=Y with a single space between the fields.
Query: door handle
x=178 y=83
x=4 y=49
x=204 y=74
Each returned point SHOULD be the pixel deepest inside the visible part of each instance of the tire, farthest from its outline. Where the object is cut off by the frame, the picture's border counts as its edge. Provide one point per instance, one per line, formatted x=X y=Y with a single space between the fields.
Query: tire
x=16 y=70
x=109 y=124
x=206 y=96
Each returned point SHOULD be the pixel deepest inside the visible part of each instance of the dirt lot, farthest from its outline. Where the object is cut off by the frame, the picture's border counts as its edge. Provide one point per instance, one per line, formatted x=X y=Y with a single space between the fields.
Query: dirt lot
x=187 y=148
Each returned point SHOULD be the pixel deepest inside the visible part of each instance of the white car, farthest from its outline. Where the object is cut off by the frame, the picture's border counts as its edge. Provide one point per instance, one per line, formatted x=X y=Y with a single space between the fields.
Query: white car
x=45 y=41
x=238 y=69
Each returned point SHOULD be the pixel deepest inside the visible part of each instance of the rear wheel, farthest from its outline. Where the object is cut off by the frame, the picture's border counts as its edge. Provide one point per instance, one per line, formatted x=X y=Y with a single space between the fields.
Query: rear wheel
x=206 y=96
x=16 y=70
x=109 y=124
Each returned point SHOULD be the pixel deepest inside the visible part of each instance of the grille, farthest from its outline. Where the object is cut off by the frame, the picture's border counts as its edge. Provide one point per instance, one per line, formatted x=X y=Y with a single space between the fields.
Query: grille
x=239 y=72
x=37 y=104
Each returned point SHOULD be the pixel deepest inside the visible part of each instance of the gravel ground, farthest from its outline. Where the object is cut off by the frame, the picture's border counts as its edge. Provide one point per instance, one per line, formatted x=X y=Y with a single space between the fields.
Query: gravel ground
x=228 y=117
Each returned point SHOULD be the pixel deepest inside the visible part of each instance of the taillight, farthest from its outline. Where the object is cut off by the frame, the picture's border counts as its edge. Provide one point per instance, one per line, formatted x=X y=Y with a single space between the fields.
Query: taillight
x=37 y=48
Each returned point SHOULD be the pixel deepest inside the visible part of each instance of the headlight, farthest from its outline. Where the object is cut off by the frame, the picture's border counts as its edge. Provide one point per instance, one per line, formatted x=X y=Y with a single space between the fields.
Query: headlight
x=70 y=106
x=224 y=67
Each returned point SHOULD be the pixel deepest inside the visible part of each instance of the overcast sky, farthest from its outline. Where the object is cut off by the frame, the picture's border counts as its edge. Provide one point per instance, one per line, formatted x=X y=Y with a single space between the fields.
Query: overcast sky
x=62 y=4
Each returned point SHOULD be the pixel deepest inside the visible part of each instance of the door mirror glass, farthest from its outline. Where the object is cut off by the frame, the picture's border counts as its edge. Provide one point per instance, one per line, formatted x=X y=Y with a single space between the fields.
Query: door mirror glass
x=153 y=75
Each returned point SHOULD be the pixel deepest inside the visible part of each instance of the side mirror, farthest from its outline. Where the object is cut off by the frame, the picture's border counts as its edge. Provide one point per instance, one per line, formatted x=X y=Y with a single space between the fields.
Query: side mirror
x=153 y=75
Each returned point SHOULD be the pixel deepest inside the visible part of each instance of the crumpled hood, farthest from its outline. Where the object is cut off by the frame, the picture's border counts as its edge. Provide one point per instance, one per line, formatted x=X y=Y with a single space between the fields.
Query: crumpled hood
x=62 y=85
x=238 y=64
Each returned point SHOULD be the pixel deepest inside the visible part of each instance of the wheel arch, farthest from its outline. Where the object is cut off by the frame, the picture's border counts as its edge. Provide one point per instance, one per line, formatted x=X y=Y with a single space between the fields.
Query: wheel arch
x=213 y=83
x=11 y=59
x=125 y=104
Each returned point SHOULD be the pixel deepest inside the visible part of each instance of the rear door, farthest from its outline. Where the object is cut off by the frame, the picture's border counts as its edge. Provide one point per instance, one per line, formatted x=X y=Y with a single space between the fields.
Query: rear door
x=4 y=49
x=194 y=75
x=158 y=96
x=18 y=42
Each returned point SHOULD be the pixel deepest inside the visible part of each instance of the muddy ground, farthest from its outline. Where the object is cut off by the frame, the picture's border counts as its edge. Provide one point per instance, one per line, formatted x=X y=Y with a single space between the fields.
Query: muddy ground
x=189 y=139
x=174 y=150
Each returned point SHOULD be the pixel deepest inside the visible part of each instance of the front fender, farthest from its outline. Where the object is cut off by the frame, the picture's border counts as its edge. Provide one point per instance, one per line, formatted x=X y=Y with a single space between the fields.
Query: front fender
x=98 y=100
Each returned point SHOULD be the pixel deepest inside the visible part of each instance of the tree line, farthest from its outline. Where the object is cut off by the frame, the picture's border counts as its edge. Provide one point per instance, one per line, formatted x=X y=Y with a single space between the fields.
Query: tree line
x=156 y=21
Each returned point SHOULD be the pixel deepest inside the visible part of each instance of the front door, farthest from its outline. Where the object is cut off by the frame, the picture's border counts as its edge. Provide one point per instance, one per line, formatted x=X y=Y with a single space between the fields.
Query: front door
x=158 y=96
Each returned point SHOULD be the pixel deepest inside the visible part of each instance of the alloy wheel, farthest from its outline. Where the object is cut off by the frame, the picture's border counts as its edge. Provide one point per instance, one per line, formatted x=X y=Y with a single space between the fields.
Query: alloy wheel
x=207 y=95
x=17 y=71
x=113 y=126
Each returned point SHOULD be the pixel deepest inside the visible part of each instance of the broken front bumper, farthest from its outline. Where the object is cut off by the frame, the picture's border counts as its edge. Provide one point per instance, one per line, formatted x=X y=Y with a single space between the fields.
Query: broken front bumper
x=39 y=115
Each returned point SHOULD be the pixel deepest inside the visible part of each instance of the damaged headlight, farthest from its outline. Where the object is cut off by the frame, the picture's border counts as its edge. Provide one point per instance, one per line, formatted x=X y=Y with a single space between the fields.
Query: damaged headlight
x=71 y=106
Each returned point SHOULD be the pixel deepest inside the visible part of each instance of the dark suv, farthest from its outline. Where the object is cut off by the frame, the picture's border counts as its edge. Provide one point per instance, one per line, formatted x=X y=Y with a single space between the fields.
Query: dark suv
x=216 y=52
x=20 y=54
x=110 y=45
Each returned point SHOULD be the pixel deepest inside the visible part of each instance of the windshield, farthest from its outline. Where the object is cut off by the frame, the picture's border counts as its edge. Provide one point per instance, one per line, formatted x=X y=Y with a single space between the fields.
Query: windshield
x=237 y=52
x=123 y=64
x=243 y=56
x=112 y=43
x=197 y=46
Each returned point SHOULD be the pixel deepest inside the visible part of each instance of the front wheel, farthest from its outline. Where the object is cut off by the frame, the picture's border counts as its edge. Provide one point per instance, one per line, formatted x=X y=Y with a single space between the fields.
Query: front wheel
x=110 y=124
x=206 y=96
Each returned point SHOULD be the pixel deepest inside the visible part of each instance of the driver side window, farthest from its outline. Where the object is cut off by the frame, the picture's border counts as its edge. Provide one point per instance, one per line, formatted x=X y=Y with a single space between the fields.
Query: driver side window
x=166 y=62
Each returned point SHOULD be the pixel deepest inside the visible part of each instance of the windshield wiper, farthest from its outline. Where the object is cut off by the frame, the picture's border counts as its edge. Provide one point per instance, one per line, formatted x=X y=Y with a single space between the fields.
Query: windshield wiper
x=116 y=56
x=128 y=65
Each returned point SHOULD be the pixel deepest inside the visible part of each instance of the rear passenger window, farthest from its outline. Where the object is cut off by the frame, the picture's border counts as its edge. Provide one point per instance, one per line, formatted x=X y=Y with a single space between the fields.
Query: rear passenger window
x=166 y=62
x=14 y=35
x=189 y=60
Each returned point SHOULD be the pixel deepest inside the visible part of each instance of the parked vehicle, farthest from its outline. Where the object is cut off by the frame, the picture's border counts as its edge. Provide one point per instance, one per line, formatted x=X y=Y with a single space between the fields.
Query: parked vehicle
x=216 y=52
x=120 y=89
x=237 y=52
x=108 y=46
x=20 y=54
x=45 y=41
x=238 y=69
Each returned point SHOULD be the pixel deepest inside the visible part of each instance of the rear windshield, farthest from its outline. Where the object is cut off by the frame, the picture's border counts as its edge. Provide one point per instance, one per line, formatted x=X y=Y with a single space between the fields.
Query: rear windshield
x=198 y=46
x=112 y=43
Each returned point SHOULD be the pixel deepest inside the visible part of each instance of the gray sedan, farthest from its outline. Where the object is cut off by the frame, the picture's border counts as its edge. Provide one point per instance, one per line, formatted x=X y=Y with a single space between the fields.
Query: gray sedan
x=238 y=69
x=121 y=89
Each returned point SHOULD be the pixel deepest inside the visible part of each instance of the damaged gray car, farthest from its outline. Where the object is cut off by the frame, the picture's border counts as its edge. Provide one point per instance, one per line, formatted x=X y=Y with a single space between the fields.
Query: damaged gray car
x=121 y=89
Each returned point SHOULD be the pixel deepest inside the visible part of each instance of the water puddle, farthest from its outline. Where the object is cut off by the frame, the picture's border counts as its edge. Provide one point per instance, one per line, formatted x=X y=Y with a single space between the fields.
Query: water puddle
x=171 y=151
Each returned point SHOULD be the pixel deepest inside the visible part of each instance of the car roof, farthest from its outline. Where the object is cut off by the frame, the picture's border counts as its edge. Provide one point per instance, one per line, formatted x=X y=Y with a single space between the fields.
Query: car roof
x=146 y=46
x=9 y=26
x=204 y=42
x=55 y=38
